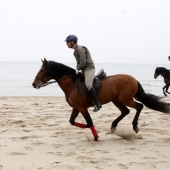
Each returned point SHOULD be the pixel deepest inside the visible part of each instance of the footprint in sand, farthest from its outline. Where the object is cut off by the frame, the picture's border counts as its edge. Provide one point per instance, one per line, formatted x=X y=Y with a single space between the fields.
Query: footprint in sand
x=17 y=153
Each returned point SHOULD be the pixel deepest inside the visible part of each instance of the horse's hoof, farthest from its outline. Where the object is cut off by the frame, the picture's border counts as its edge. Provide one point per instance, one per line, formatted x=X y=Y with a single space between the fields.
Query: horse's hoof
x=113 y=130
x=136 y=130
x=96 y=139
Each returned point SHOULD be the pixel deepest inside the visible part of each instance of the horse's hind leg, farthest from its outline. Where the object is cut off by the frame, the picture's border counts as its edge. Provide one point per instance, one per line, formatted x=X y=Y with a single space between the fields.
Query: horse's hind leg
x=138 y=107
x=129 y=101
x=124 y=111
x=167 y=87
x=164 y=90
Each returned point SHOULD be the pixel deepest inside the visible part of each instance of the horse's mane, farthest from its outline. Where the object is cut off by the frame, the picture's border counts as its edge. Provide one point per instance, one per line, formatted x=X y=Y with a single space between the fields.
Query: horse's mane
x=59 y=70
x=163 y=70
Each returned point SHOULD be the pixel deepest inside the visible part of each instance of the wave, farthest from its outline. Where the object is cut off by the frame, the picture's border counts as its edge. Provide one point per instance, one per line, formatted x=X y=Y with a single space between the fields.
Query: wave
x=148 y=84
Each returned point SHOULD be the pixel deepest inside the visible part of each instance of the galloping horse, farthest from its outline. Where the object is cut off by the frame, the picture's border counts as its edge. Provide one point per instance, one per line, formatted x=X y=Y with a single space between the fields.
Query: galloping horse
x=165 y=73
x=119 y=89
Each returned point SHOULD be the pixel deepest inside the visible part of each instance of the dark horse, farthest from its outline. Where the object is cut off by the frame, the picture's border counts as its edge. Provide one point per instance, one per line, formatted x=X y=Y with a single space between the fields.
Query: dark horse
x=165 y=73
x=121 y=89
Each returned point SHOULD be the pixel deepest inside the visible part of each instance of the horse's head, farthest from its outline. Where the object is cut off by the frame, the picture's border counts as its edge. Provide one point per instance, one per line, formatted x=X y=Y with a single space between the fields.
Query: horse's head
x=157 y=72
x=161 y=71
x=43 y=76
x=52 y=70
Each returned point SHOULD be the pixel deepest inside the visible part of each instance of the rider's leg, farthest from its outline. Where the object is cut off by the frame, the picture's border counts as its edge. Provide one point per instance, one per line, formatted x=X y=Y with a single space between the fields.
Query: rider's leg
x=89 y=77
x=96 y=99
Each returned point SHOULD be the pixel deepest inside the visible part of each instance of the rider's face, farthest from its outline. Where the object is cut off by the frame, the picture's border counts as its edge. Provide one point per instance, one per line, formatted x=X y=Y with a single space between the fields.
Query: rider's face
x=68 y=44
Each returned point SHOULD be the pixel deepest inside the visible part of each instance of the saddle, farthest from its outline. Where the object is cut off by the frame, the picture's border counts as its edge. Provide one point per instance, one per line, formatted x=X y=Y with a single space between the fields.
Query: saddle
x=101 y=75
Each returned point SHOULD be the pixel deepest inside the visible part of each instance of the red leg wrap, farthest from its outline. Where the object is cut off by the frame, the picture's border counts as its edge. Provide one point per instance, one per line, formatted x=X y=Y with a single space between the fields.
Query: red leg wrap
x=94 y=132
x=80 y=125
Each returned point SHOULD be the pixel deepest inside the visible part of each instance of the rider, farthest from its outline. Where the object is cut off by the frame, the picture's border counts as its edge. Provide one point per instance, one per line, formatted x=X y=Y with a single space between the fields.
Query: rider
x=86 y=65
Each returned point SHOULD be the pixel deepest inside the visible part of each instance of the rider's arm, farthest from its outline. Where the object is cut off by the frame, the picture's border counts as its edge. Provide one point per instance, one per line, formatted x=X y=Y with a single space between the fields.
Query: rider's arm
x=82 y=58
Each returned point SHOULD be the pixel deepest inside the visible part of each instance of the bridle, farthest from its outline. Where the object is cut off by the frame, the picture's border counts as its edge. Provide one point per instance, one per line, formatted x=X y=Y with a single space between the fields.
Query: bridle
x=41 y=84
x=156 y=73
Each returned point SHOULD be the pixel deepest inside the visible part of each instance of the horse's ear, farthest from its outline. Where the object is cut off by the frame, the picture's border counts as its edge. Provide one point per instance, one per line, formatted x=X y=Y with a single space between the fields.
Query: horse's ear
x=45 y=61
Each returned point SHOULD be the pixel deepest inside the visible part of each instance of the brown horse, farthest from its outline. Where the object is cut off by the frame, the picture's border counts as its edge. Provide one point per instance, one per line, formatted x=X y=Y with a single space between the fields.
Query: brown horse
x=121 y=89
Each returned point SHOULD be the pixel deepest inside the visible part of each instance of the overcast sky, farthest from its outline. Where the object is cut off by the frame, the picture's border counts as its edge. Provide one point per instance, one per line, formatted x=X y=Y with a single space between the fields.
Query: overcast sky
x=115 y=31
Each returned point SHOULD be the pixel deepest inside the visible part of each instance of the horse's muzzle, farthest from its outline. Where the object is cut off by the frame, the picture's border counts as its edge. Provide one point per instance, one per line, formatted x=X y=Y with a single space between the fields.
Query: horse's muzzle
x=34 y=85
x=155 y=76
x=38 y=86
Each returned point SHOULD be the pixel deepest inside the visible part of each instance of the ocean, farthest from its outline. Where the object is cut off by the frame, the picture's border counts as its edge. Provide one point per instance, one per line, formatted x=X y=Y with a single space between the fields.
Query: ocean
x=16 y=77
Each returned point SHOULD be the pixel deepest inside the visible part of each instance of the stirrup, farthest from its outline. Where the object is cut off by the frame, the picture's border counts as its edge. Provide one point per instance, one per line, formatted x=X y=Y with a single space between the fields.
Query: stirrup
x=97 y=108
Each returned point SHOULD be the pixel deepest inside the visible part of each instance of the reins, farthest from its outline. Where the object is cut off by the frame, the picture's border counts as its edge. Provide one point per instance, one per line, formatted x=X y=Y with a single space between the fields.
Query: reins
x=61 y=79
x=51 y=82
x=48 y=83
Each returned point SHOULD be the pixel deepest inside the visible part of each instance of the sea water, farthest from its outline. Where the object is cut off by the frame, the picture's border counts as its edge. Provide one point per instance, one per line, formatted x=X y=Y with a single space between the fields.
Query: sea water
x=16 y=78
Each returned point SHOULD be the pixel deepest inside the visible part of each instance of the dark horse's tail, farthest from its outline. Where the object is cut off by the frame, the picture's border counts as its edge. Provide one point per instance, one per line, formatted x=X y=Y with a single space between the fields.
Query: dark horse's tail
x=151 y=101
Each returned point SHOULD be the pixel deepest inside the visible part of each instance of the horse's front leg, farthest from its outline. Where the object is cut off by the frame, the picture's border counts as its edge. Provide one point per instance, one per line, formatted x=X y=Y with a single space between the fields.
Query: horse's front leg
x=90 y=125
x=74 y=114
x=88 y=119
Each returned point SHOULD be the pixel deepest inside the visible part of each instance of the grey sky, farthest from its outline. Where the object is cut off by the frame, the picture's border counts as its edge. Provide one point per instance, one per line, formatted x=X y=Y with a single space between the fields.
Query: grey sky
x=117 y=31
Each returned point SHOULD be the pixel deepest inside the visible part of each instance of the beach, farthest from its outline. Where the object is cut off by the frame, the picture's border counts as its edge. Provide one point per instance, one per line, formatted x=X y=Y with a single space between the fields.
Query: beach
x=35 y=133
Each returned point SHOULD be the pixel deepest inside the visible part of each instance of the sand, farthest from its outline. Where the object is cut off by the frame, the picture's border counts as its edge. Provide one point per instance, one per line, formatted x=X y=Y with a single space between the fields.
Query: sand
x=35 y=134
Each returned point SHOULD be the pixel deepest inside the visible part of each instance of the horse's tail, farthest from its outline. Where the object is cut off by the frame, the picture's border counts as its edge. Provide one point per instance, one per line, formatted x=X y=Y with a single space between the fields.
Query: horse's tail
x=151 y=101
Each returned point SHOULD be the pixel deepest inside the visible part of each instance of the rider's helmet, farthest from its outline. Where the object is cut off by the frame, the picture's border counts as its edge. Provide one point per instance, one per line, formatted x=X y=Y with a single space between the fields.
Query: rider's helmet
x=71 y=38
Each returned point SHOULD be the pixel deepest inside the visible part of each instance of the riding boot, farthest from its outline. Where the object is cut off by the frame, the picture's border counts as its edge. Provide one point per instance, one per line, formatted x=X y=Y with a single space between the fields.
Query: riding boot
x=95 y=99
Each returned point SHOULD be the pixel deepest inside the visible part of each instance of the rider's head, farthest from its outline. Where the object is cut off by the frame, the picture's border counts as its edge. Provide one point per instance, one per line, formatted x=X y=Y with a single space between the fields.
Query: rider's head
x=169 y=58
x=71 y=41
